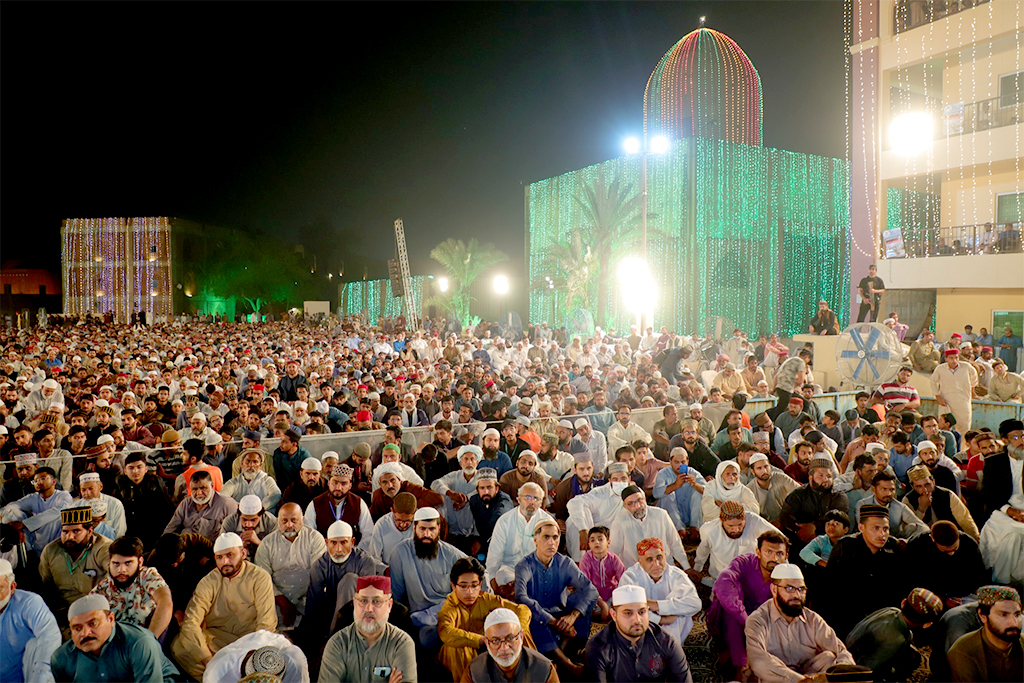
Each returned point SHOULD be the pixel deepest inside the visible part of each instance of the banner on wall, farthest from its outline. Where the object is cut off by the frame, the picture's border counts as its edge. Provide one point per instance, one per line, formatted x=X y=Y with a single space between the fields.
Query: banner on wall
x=894 y=243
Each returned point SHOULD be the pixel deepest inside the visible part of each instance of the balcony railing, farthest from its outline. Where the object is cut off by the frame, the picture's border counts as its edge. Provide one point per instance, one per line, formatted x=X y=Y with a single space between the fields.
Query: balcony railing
x=974 y=117
x=915 y=242
x=910 y=14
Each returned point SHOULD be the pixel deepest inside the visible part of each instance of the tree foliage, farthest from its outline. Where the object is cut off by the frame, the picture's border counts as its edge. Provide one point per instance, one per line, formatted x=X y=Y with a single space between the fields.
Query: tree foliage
x=464 y=263
x=572 y=267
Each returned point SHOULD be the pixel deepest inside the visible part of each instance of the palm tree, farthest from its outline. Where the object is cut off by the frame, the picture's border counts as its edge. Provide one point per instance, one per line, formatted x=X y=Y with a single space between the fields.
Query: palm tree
x=613 y=219
x=575 y=266
x=464 y=263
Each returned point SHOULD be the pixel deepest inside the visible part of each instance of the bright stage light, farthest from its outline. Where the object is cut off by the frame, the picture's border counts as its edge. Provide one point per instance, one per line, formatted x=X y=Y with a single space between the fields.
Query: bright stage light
x=911 y=134
x=500 y=284
x=637 y=285
x=659 y=144
x=631 y=145
x=442 y=284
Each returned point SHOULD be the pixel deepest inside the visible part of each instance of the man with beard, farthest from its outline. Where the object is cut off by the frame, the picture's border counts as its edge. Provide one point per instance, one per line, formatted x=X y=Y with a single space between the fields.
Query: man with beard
x=72 y=565
x=512 y=539
x=636 y=522
x=91 y=488
x=700 y=456
x=884 y=641
x=785 y=640
x=490 y=456
x=289 y=459
x=525 y=472
x=671 y=596
x=392 y=483
x=953 y=383
x=869 y=557
x=741 y=588
x=251 y=522
x=560 y=625
x=38 y=514
x=235 y=600
x=28 y=631
x=104 y=649
x=594 y=441
x=1002 y=538
x=457 y=487
x=420 y=570
x=310 y=484
x=598 y=507
x=581 y=481
x=995 y=652
x=509 y=656
x=633 y=649
x=554 y=464
x=679 y=489
x=734 y=533
x=203 y=511
x=137 y=594
x=802 y=513
x=903 y=523
x=770 y=485
x=339 y=503
x=726 y=486
x=932 y=503
x=487 y=505
x=287 y=555
x=947 y=473
x=392 y=528
x=253 y=479
x=460 y=623
x=21 y=485
x=58 y=459
x=370 y=644
x=332 y=584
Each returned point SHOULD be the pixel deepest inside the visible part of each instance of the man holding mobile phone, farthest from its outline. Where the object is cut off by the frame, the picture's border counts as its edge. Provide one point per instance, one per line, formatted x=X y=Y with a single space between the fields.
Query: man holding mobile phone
x=370 y=648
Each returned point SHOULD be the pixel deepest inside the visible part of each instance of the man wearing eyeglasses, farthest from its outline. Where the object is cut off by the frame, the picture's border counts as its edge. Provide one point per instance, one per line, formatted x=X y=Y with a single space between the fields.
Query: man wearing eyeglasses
x=785 y=640
x=507 y=659
x=370 y=649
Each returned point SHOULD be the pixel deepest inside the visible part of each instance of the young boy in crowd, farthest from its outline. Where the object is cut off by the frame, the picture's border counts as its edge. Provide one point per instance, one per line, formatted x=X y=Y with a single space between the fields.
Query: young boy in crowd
x=603 y=568
x=837 y=525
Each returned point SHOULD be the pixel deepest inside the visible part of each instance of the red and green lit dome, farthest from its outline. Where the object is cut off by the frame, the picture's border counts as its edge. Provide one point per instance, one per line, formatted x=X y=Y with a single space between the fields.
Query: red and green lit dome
x=705 y=86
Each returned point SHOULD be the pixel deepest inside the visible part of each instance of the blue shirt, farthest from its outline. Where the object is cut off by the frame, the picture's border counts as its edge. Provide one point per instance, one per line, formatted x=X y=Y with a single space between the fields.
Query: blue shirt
x=420 y=583
x=540 y=588
x=42 y=524
x=286 y=467
x=27 y=618
x=502 y=463
x=901 y=463
x=818 y=549
x=132 y=653
x=600 y=418
x=679 y=502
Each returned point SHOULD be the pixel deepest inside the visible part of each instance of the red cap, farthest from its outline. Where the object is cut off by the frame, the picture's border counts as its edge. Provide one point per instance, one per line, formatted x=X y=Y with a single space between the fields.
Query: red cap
x=381 y=583
x=796 y=399
x=363 y=386
x=957 y=335
x=952 y=352
x=364 y=416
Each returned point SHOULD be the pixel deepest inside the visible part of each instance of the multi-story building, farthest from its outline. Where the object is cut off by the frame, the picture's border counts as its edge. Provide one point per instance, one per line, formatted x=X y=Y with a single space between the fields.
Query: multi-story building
x=937 y=138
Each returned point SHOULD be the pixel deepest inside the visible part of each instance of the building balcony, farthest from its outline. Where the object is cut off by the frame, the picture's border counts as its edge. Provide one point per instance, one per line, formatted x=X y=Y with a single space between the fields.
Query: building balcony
x=911 y=14
x=961 y=257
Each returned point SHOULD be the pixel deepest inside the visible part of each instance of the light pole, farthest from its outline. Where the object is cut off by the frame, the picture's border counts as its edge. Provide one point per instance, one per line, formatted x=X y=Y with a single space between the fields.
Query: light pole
x=659 y=144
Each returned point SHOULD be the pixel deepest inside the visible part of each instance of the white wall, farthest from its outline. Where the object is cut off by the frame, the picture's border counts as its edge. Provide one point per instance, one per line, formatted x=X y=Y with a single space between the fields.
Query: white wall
x=983 y=271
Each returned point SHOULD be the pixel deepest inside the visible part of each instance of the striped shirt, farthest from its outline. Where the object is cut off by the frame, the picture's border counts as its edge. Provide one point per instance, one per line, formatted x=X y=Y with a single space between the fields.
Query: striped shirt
x=896 y=394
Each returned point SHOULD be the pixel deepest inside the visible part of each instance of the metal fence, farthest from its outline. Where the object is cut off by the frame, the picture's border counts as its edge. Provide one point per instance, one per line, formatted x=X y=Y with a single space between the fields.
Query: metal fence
x=963 y=240
x=910 y=14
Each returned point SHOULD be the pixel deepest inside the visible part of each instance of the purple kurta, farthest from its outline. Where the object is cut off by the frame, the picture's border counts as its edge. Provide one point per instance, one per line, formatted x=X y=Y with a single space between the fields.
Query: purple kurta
x=738 y=591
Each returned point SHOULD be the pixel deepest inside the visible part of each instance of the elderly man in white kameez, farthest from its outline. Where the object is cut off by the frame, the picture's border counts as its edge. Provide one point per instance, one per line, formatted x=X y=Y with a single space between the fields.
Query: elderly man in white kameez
x=287 y=555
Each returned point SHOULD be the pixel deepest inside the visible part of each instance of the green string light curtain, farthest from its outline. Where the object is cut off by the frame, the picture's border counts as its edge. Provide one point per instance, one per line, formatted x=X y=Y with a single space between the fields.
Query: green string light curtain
x=376 y=298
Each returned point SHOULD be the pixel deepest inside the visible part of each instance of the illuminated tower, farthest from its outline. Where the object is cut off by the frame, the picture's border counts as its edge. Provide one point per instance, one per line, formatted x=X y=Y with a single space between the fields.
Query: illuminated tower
x=705 y=86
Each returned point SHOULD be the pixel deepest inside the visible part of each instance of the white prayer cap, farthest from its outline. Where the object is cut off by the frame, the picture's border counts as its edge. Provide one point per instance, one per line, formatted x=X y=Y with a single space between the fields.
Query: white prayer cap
x=582 y=422
x=627 y=595
x=340 y=529
x=3 y=430
x=6 y=569
x=874 y=447
x=250 y=505
x=696 y=406
x=409 y=395
x=565 y=423
x=312 y=463
x=490 y=432
x=926 y=444
x=523 y=420
x=226 y=541
x=214 y=439
x=101 y=403
x=470 y=448
x=787 y=571
x=104 y=439
x=425 y=514
x=389 y=468
x=756 y=458
x=330 y=454
x=502 y=615
x=50 y=384
x=60 y=404
x=89 y=603
x=88 y=476
x=99 y=507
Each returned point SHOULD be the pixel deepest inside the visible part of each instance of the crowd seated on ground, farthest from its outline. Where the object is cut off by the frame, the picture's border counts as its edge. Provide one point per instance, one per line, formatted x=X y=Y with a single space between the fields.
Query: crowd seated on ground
x=490 y=509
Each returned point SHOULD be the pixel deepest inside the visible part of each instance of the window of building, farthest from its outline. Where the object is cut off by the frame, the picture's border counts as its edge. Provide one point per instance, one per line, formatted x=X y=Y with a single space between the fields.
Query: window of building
x=1010 y=207
x=1011 y=89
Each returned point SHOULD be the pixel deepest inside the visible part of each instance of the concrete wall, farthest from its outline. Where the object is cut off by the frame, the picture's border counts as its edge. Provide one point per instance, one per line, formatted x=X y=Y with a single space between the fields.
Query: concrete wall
x=1004 y=272
x=958 y=307
x=971 y=200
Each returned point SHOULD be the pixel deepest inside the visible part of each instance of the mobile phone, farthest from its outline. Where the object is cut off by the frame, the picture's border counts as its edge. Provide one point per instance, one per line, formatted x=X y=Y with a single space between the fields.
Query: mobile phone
x=382 y=671
x=684 y=468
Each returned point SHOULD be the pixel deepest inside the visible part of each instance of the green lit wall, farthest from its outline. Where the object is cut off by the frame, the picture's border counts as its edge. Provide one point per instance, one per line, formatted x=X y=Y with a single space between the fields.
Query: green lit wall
x=375 y=296
x=753 y=234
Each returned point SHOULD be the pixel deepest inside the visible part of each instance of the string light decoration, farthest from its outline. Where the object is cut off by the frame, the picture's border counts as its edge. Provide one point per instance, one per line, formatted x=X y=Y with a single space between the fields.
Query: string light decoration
x=375 y=297
x=117 y=266
x=705 y=86
x=754 y=234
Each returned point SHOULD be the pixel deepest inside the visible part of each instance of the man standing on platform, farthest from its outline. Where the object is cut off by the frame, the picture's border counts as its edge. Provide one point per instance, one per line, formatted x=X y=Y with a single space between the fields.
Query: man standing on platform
x=953 y=383
x=870 y=289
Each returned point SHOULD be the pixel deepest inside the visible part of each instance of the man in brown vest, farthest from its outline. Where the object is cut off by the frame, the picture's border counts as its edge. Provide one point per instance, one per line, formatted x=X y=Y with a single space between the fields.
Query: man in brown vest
x=339 y=503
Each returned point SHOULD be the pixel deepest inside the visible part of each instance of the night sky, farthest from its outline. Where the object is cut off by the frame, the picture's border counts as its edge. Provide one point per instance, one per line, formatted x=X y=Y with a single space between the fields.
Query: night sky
x=347 y=116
